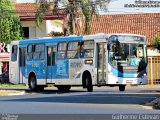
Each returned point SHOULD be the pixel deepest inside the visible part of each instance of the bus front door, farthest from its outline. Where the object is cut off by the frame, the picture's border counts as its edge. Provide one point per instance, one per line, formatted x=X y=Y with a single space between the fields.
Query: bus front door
x=51 y=67
x=101 y=63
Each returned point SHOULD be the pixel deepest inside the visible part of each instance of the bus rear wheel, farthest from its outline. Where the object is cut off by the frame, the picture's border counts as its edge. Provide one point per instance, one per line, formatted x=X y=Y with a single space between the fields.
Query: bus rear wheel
x=89 y=83
x=32 y=83
x=63 y=88
x=122 y=88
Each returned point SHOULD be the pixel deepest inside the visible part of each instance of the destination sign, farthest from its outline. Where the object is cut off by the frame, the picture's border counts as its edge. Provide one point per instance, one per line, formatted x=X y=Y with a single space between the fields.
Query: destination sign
x=126 y=38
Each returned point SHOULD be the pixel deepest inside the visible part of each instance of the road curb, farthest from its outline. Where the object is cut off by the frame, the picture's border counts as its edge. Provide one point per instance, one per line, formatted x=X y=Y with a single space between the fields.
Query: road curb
x=20 y=93
x=148 y=107
x=11 y=92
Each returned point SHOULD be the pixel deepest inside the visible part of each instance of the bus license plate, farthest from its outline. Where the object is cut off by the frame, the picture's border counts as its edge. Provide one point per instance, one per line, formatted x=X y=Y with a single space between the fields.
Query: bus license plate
x=129 y=81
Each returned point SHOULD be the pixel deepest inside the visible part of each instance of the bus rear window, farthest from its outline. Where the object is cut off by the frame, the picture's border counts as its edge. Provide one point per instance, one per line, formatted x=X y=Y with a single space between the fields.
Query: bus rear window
x=14 y=53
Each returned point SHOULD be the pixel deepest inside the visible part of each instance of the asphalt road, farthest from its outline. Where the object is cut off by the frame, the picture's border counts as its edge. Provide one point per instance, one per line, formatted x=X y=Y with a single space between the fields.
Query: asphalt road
x=104 y=100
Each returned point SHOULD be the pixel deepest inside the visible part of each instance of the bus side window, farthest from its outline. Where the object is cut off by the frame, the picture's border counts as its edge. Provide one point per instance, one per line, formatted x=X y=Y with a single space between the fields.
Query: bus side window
x=29 y=52
x=87 y=49
x=73 y=50
x=38 y=52
x=14 y=53
x=62 y=47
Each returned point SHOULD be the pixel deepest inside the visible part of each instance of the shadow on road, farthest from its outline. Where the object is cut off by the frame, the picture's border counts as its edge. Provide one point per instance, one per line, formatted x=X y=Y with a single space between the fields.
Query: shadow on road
x=83 y=97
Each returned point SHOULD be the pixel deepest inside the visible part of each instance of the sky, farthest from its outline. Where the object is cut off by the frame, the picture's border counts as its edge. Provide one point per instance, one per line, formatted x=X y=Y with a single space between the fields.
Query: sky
x=117 y=6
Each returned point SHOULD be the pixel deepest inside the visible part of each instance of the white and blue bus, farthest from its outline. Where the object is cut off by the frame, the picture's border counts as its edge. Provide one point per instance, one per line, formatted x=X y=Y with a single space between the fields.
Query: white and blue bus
x=91 y=60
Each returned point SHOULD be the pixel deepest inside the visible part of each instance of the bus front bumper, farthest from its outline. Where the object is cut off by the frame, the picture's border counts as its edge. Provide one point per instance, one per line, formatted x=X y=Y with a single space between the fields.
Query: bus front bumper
x=124 y=81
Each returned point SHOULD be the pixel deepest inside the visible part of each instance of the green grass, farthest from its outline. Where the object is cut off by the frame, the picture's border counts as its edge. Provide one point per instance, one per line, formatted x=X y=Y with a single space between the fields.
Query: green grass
x=13 y=86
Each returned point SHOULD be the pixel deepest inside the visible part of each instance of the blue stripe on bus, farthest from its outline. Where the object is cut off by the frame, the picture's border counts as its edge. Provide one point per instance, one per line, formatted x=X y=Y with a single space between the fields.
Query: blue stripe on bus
x=50 y=40
x=120 y=74
x=79 y=75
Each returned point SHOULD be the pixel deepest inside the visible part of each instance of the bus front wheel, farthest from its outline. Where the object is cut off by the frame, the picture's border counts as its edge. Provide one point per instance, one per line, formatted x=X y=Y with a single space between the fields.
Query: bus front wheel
x=122 y=88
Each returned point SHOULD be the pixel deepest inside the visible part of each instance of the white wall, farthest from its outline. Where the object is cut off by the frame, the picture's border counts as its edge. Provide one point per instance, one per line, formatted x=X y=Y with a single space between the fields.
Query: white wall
x=45 y=28
x=54 y=25
x=153 y=52
x=35 y=32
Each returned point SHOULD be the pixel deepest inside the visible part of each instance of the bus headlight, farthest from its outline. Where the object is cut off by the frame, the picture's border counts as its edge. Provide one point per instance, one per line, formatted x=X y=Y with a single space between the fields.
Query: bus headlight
x=144 y=75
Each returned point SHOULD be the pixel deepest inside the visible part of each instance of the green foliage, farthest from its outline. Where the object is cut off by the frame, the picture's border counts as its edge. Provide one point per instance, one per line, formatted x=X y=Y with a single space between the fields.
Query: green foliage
x=72 y=7
x=9 y=85
x=10 y=26
x=157 y=42
x=42 y=9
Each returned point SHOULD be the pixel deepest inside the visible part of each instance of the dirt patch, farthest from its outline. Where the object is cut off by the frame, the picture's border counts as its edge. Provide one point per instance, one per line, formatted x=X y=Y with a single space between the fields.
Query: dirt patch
x=11 y=92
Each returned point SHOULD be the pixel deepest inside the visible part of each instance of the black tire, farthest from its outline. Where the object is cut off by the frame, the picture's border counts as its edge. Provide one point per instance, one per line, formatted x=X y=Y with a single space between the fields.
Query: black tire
x=89 y=83
x=40 y=88
x=64 y=88
x=122 y=88
x=32 y=83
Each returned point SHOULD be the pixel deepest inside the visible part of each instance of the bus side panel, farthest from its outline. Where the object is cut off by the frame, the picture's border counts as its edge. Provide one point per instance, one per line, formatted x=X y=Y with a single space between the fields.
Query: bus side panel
x=14 y=72
x=22 y=75
x=39 y=69
x=62 y=69
x=61 y=72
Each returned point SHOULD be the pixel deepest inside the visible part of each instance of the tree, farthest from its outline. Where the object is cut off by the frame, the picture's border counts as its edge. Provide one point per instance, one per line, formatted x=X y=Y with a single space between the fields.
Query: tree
x=157 y=42
x=72 y=7
x=10 y=26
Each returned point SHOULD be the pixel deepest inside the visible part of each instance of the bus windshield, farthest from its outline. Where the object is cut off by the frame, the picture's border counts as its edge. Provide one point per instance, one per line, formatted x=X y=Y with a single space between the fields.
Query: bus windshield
x=122 y=54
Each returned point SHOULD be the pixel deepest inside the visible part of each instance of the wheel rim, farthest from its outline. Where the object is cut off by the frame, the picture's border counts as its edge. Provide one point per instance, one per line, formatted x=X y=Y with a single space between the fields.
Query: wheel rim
x=33 y=83
x=86 y=81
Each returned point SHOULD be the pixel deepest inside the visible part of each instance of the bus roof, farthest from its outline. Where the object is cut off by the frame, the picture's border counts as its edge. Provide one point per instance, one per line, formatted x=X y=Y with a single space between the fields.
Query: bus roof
x=51 y=39
x=71 y=38
x=96 y=36
x=126 y=34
